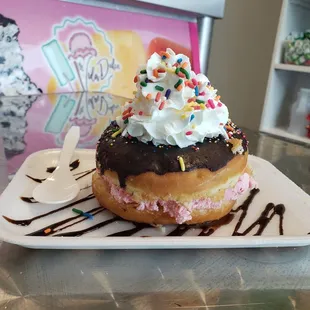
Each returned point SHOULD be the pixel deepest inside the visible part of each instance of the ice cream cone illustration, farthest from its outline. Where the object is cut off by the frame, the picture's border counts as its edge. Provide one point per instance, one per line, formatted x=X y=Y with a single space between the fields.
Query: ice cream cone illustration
x=81 y=52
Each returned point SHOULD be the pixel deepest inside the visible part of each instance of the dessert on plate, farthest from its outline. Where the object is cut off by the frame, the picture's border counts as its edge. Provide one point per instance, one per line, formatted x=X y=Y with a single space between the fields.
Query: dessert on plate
x=173 y=155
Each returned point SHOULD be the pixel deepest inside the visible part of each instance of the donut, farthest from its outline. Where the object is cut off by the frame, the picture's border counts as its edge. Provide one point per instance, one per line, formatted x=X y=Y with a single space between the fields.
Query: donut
x=181 y=162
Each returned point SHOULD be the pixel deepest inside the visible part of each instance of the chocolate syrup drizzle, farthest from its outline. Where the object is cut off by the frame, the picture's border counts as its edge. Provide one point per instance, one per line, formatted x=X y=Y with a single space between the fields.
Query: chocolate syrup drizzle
x=27 y=222
x=206 y=229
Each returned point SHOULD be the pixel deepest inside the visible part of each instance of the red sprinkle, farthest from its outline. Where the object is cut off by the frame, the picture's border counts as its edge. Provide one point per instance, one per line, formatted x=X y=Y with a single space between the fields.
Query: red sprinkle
x=191 y=99
x=219 y=104
x=212 y=105
x=188 y=133
x=191 y=85
x=182 y=75
x=202 y=93
x=197 y=108
x=208 y=106
x=162 y=105
x=148 y=96
x=140 y=113
x=136 y=79
x=127 y=116
x=127 y=111
x=161 y=70
x=194 y=82
x=157 y=98
x=175 y=65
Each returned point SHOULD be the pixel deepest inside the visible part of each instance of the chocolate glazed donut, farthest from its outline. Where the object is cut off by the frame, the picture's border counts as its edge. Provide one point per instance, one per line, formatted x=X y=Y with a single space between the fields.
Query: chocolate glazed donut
x=131 y=157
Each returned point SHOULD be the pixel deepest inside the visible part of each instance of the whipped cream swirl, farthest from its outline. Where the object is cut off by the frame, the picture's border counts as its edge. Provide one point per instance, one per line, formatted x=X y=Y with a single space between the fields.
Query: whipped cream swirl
x=172 y=104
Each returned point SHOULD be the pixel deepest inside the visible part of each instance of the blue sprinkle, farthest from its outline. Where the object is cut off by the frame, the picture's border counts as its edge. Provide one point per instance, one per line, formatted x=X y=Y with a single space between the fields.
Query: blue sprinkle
x=179 y=60
x=167 y=94
x=192 y=117
x=163 y=57
x=209 y=83
x=90 y=216
x=196 y=91
x=146 y=80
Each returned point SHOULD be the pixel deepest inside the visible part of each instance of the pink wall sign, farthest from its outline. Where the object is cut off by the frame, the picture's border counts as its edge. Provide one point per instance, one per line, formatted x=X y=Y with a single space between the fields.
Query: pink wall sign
x=57 y=47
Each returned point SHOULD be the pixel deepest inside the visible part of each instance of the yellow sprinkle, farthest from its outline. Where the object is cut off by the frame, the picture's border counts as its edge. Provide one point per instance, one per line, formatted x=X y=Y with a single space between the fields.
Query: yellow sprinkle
x=194 y=126
x=116 y=133
x=202 y=107
x=188 y=109
x=171 y=70
x=183 y=116
x=181 y=162
x=211 y=88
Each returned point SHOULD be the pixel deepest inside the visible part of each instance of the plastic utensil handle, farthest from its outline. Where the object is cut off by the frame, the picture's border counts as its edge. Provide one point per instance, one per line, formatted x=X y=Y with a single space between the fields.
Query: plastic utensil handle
x=70 y=143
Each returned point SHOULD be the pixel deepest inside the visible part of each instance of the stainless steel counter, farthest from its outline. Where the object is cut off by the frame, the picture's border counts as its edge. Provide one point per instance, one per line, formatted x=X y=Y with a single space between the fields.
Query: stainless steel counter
x=157 y=279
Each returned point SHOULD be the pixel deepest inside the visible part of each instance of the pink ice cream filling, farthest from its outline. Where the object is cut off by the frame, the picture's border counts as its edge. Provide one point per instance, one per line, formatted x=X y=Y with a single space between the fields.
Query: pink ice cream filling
x=182 y=211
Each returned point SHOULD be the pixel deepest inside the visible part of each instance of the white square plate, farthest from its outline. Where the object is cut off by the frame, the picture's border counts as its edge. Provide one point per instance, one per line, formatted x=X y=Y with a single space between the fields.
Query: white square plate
x=274 y=187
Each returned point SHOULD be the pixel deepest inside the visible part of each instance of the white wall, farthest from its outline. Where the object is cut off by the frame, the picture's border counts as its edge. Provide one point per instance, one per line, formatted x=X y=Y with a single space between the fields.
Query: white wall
x=240 y=56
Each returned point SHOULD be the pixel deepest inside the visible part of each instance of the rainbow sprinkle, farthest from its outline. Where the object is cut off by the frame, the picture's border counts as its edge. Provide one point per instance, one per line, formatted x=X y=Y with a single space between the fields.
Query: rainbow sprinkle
x=80 y=212
x=185 y=72
x=178 y=83
x=158 y=95
x=181 y=162
x=116 y=133
x=211 y=103
x=184 y=64
x=157 y=87
x=168 y=92
x=196 y=90
x=155 y=73
x=161 y=106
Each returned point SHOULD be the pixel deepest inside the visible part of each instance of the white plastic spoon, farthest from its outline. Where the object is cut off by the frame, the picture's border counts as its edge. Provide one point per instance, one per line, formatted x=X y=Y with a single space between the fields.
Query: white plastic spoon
x=61 y=186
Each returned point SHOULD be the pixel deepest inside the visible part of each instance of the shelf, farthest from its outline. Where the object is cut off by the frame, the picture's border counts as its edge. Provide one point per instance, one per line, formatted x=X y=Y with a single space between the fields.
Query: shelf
x=295 y=68
x=284 y=134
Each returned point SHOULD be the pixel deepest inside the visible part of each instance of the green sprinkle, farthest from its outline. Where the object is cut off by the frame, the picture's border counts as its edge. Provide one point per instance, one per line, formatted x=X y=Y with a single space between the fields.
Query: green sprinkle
x=179 y=82
x=157 y=87
x=143 y=84
x=185 y=72
x=80 y=212
x=177 y=70
x=200 y=101
x=143 y=71
x=126 y=121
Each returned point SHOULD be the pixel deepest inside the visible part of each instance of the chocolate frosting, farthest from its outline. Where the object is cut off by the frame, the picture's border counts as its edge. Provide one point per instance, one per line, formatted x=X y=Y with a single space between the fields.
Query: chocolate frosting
x=132 y=157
